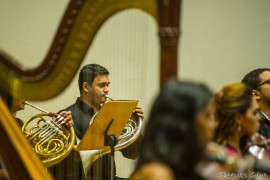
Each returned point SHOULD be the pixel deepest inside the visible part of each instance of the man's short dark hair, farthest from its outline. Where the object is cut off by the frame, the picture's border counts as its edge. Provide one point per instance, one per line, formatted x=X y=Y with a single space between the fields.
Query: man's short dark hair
x=89 y=72
x=252 y=79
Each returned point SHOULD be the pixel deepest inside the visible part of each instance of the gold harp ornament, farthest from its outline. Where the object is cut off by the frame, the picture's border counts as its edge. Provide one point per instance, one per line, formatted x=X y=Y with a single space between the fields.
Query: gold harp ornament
x=48 y=137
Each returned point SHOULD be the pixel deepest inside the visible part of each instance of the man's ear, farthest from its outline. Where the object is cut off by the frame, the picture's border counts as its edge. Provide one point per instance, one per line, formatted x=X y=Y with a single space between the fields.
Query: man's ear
x=256 y=94
x=85 y=87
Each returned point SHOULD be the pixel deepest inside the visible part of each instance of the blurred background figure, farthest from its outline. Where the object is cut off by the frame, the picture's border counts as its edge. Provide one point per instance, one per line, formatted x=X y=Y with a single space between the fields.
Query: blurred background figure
x=236 y=112
x=177 y=132
x=259 y=82
x=17 y=105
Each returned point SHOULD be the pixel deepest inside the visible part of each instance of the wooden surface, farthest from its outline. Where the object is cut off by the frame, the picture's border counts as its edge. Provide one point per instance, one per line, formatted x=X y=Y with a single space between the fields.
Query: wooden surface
x=117 y=112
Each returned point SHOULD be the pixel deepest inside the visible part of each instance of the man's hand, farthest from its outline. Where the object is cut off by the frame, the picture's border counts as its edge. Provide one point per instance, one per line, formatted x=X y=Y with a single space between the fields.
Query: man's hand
x=138 y=110
x=67 y=119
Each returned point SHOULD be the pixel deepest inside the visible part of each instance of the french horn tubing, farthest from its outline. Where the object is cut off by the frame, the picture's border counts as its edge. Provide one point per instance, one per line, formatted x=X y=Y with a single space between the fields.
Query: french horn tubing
x=130 y=133
x=48 y=137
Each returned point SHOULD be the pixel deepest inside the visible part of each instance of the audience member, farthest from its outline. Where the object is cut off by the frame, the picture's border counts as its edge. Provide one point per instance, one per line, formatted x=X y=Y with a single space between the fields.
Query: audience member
x=259 y=81
x=236 y=113
x=177 y=132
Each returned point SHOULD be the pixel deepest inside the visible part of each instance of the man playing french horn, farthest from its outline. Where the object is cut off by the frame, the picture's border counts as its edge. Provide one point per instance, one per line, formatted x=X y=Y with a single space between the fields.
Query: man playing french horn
x=94 y=87
x=64 y=119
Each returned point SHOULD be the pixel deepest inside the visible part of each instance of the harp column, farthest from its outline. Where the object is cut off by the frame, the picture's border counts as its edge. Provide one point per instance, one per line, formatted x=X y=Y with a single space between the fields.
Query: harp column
x=169 y=30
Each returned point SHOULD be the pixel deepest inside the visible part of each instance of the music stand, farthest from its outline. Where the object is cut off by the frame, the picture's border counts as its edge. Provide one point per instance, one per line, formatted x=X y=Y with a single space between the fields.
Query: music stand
x=106 y=126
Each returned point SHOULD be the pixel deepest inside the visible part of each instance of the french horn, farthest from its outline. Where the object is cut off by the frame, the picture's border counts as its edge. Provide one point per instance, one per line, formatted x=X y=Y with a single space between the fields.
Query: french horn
x=48 y=137
x=130 y=133
x=52 y=142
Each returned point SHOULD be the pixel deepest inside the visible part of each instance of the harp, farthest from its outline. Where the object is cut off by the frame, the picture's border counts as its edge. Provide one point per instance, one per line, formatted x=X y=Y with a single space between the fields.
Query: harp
x=67 y=51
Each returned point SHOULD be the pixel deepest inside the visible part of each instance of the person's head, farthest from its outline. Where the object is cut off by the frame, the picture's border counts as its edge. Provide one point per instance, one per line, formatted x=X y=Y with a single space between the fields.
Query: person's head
x=14 y=104
x=6 y=97
x=259 y=81
x=17 y=105
x=256 y=78
x=179 y=126
x=236 y=112
x=93 y=83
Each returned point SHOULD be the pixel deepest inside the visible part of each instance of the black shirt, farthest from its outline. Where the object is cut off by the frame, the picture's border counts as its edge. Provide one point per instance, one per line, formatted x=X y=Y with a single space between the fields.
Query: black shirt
x=264 y=129
x=82 y=114
x=71 y=167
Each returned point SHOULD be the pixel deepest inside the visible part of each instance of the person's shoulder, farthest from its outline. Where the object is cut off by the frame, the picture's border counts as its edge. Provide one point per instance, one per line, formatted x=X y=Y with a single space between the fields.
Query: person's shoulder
x=69 y=108
x=19 y=121
x=153 y=171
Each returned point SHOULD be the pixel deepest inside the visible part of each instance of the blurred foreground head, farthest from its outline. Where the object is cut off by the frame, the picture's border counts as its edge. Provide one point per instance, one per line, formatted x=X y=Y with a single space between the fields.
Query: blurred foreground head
x=179 y=126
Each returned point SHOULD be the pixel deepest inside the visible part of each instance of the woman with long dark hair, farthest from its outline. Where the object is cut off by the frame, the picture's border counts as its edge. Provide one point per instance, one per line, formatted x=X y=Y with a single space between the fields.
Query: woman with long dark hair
x=177 y=132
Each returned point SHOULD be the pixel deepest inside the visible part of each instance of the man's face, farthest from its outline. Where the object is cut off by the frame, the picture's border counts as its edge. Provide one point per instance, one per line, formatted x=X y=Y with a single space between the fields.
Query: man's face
x=98 y=90
x=264 y=89
x=17 y=105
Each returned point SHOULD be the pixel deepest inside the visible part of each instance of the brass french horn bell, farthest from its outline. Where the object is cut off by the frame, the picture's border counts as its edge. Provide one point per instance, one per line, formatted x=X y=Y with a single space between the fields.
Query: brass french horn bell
x=48 y=137
x=130 y=133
